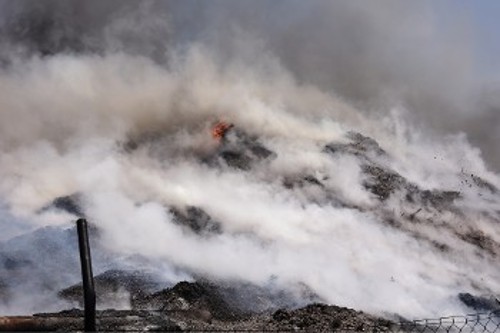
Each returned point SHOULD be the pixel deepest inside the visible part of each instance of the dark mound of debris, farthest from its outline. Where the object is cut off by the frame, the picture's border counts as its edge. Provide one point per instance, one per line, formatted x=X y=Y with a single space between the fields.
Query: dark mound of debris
x=203 y=305
x=480 y=303
x=239 y=150
x=360 y=145
x=480 y=240
x=106 y=320
x=382 y=181
x=327 y=318
x=196 y=219
x=194 y=300
x=221 y=300
x=312 y=318
x=418 y=208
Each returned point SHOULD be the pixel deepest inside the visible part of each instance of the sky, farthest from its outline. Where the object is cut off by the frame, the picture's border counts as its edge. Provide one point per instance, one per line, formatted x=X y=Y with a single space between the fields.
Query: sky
x=484 y=18
x=486 y=15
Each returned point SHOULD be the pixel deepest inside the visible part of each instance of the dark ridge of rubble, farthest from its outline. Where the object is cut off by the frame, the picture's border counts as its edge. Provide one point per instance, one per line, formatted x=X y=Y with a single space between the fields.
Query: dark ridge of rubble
x=311 y=318
x=327 y=318
x=106 y=320
x=236 y=159
x=480 y=240
x=221 y=300
x=206 y=305
x=481 y=183
x=196 y=219
x=443 y=248
x=480 y=303
x=419 y=209
x=417 y=228
x=240 y=151
x=236 y=148
x=438 y=199
x=360 y=145
x=383 y=182
x=365 y=143
x=192 y=299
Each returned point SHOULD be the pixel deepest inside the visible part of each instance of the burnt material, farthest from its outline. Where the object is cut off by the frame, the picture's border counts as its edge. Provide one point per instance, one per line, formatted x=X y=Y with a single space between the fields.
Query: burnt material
x=201 y=300
x=196 y=220
x=360 y=145
x=87 y=277
x=240 y=150
x=480 y=303
x=32 y=323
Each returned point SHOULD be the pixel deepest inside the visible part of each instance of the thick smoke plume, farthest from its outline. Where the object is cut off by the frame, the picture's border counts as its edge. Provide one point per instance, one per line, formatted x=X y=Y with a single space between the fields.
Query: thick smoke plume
x=113 y=101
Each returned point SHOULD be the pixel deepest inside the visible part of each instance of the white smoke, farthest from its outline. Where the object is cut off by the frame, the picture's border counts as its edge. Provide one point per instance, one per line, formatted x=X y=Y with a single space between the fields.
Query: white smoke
x=66 y=121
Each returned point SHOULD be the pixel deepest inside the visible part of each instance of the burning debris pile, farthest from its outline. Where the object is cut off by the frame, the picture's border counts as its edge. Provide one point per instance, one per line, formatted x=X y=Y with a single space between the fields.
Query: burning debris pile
x=224 y=189
x=141 y=299
x=236 y=148
x=204 y=306
x=184 y=314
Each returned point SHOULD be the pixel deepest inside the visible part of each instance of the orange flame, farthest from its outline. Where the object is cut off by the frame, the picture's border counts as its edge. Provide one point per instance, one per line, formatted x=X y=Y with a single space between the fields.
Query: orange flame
x=220 y=129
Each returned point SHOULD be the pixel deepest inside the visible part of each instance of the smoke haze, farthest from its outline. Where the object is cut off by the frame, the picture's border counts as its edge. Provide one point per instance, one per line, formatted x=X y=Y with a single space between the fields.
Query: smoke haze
x=83 y=82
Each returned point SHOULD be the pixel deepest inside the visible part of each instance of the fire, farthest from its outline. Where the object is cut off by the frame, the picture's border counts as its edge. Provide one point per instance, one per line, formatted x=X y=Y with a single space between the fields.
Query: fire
x=220 y=129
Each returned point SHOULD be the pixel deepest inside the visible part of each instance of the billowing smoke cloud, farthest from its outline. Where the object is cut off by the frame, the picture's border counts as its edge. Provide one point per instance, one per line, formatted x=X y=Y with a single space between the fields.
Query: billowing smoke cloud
x=115 y=100
x=376 y=55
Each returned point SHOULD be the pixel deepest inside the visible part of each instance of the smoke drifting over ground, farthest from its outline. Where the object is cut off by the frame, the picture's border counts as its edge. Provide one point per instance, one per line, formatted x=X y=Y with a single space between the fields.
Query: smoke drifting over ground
x=114 y=102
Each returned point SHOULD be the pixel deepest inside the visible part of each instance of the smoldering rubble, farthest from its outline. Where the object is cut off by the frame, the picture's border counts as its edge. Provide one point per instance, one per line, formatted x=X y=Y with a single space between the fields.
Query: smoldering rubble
x=223 y=189
x=143 y=298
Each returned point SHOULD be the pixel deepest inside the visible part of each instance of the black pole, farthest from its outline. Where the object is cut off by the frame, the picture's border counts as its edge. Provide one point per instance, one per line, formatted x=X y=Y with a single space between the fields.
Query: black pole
x=87 y=277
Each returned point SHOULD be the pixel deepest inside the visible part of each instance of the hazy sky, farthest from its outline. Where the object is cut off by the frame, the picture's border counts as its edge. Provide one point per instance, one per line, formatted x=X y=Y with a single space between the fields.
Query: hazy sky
x=484 y=19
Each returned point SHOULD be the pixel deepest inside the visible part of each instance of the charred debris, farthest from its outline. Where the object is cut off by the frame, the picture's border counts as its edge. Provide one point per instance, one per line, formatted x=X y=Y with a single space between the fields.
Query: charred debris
x=207 y=304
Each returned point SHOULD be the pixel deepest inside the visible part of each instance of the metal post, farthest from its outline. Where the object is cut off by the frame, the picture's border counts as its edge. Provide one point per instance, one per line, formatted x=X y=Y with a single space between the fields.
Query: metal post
x=87 y=277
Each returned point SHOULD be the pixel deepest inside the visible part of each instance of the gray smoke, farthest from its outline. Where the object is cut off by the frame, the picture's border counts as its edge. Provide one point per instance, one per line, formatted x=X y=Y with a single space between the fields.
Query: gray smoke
x=376 y=55
x=82 y=82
